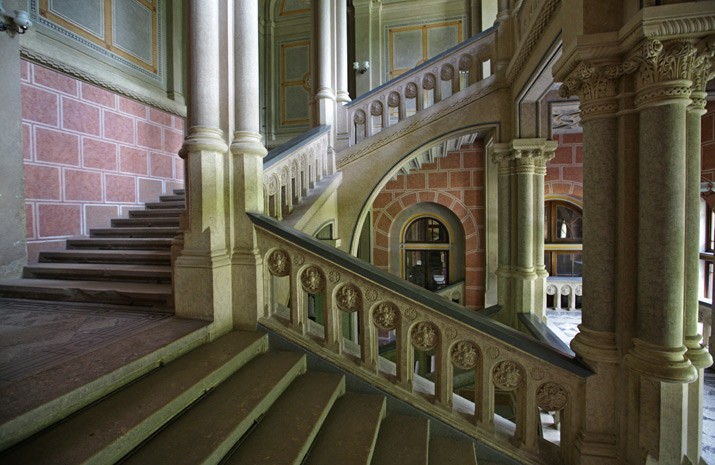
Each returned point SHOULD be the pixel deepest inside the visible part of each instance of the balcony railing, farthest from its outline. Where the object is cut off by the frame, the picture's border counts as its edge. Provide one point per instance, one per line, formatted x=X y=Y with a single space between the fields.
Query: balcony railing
x=291 y=170
x=312 y=290
x=566 y=292
x=433 y=81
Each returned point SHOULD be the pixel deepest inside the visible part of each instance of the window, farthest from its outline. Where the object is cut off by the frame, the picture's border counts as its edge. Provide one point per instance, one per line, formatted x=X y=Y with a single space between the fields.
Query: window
x=426 y=253
x=563 y=232
x=707 y=255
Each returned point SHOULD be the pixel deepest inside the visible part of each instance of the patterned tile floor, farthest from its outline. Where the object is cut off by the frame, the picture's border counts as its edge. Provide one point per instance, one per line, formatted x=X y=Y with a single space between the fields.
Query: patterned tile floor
x=565 y=325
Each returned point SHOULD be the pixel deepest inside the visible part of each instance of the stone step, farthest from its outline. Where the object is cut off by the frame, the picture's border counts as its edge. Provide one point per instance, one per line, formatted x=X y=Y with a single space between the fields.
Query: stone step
x=179 y=191
x=158 y=297
x=134 y=257
x=119 y=243
x=208 y=430
x=109 y=429
x=403 y=440
x=50 y=392
x=349 y=433
x=444 y=450
x=156 y=213
x=99 y=272
x=134 y=232
x=171 y=198
x=288 y=429
x=145 y=222
x=165 y=205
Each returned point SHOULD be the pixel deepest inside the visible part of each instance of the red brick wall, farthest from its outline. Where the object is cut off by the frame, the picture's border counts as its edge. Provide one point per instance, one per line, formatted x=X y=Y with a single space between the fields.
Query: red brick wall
x=456 y=182
x=90 y=155
x=708 y=140
x=564 y=173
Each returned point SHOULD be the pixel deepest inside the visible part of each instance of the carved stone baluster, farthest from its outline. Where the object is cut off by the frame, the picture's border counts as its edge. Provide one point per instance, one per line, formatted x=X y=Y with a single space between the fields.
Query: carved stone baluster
x=484 y=393
x=420 y=96
x=509 y=376
x=331 y=315
x=426 y=337
x=465 y=355
x=527 y=418
x=368 y=339
x=297 y=298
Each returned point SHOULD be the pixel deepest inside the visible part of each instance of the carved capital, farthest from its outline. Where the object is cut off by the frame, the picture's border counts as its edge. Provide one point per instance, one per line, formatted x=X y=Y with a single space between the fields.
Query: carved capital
x=528 y=154
x=596 y=85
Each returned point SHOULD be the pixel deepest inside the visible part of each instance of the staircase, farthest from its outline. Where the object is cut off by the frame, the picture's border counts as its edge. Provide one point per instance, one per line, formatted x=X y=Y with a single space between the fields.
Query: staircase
x=128 y=263
x=236 y=401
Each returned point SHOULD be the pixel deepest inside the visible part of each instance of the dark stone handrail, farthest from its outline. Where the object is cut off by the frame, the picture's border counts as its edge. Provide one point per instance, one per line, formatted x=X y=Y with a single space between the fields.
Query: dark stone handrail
x=283 y=150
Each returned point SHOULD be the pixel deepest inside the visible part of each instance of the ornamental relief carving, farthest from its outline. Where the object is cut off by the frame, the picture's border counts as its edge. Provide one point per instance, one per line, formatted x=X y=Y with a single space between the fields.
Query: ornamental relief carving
x=410 y=313
x=464 y=355
x=386 y=316
x=424 y=336
x=348 y=298
x=465 y=63
x=279 y=263
x=446 y=73
x=376 y=108
x=334 y=276
x=393 y=100
x=551 y=397
x=507 y=375
x=411 y=90
x=312 y=279
x=359 y=117
x=428 y=82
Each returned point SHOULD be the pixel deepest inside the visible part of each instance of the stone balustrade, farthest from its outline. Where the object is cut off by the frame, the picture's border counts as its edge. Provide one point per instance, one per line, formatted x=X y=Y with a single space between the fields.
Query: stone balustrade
x=417 y=89
x=570 y=287
x=312 y=289
x=454 y=292
x=291 y=170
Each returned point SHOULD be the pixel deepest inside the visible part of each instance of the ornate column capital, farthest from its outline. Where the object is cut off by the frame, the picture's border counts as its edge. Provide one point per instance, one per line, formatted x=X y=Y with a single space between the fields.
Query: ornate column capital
x=596 y=84
x=526 y=152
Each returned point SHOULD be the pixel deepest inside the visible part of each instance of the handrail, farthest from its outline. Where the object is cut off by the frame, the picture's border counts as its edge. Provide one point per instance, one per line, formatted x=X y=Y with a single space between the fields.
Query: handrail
x=284 y=150
x=330 y=285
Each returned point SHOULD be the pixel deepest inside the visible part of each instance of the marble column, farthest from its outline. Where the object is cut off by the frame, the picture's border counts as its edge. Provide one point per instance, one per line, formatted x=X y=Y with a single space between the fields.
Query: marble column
x=539 y=265
x=659 y=369
x=696 y=353
x=341 y=51
x=202 y=275
x=502 y=157
x=323 y=91
x=597 y=89
x=247 y=154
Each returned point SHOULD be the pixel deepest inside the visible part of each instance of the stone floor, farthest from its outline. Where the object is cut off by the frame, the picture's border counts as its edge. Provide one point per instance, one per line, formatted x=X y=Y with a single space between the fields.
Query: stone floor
x=565 y=325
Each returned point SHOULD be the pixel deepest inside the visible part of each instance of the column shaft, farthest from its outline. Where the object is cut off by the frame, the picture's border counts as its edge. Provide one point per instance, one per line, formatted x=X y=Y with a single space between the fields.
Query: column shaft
x=341 y=51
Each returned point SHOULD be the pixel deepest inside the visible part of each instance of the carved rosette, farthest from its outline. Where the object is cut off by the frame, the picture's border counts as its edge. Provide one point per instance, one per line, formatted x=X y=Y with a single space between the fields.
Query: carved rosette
x=359 y=117
x=347 y=298
x=465 y=63
x=507 y=375
x=537 y=373
x=578 y=290
x=551 y=397
x=411 y=90
x=446 y=73
x=565 y=289
x=312 y=279
x=376 y=108
x=465 y=355
x=298 y=259
x=386 y=316
x=450 y=332
x=551 y=289
x=493 y=352
x=371 y=295
x=410 y=313
x=429 y=81
x=279 y=263
x=424 y=336
x=393 y=100
x=284 y=176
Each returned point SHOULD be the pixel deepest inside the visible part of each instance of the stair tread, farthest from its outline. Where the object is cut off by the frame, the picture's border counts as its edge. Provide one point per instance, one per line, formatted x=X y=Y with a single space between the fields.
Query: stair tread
x=289 y=427
x=100 y=267
x=443 y=450
x=118 y=243
x=156 y=213
x=94 y=285
x=140 y=232
x=199 y=435
x=110 y=428
x=348 y=438
x=148 y=222
x=163 y=205
x=403 y=440
x=119 y=253
x=146 y=257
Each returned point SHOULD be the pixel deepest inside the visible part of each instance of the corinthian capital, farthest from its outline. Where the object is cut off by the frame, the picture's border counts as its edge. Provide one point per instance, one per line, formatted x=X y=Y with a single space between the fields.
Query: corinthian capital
x=596 y=85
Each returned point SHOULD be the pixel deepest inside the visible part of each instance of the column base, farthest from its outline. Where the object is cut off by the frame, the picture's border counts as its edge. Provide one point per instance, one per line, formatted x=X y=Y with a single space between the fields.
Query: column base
x=667 y=364
x=248 y=287
x=202 y=287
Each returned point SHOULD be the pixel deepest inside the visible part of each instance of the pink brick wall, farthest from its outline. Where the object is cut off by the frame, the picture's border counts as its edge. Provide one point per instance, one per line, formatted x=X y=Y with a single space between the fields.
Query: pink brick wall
x=90 y=156
x=564 y=173
x=708 y=139
x=456 y=182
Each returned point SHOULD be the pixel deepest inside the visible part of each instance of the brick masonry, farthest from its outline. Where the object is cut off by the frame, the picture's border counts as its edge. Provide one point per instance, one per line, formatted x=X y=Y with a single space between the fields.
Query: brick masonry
x=564 y=173
x=90 y=155
x=456 y=182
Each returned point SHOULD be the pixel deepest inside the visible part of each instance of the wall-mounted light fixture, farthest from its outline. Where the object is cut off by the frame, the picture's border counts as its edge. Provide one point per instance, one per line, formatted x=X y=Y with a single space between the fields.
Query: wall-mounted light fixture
x=361 y=66
x=18 y=22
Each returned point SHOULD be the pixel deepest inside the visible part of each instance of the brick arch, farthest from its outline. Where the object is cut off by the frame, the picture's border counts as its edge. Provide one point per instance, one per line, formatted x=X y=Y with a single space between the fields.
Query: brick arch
x=564 y=173
x=474 y=256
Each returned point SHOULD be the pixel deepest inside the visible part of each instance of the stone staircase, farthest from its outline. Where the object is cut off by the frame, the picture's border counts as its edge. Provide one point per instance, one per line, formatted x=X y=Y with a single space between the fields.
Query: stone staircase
x=234 y=400
x=128 y=263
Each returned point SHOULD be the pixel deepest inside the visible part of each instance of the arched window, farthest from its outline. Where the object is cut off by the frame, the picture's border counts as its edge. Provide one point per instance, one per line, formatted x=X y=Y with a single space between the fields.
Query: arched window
x=563 y=229
x=426 y=253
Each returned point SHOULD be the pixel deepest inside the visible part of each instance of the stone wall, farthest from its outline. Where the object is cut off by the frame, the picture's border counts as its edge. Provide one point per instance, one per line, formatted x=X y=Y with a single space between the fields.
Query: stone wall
x=90 y=155
x=455 y=182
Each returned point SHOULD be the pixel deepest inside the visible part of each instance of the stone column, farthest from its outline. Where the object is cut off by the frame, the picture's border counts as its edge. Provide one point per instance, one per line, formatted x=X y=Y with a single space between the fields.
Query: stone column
x=597 y=88
x=696 y=353
x=202 y=275
x=539 y=265
x=247 y=153
x=502 y=157
x=523 y=208
x=341 y=51
x=323 y=92
x=659 y=370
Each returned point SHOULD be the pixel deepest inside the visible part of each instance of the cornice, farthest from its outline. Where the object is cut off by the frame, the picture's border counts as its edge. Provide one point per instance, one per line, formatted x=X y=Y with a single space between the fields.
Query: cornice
x=49 y=62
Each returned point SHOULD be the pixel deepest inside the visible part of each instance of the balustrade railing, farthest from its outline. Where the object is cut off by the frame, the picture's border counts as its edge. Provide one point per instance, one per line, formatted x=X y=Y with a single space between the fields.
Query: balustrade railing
x=423 y=86
x=291 y=170
x=565 y=292
x=314 y=293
